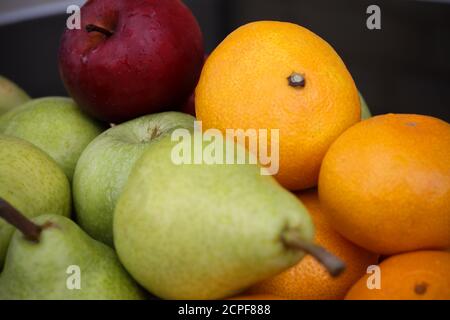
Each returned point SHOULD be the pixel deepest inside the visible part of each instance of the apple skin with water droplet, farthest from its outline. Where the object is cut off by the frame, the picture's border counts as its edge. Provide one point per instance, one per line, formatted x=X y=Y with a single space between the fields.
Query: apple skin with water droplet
x=147 y=59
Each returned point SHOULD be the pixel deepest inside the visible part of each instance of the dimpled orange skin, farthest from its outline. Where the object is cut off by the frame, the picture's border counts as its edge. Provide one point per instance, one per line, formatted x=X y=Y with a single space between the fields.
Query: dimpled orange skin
x=309 y=279
x=422 y=275
x=385 y=184
x=244 y=85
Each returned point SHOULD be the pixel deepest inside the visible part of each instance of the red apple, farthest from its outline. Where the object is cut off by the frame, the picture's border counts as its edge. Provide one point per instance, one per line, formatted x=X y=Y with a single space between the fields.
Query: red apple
x=131 y=58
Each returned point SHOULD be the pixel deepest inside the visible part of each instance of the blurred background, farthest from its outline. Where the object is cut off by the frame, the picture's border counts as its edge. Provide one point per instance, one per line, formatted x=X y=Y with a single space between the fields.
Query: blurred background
x=403 y=68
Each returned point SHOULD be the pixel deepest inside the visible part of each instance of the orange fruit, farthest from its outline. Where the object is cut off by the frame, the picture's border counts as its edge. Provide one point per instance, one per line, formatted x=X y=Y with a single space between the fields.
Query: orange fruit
x=309 y=279
x=422 y=275
x=385 y=184
x=257 y=297
x=244 y=85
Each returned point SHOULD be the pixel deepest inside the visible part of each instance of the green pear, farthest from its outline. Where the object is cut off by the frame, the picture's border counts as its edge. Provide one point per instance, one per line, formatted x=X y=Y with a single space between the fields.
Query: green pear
x=10 y=95
x=104 y=166
x=32 y=182
x=365 y=111
x=51 y=258
x=56 y=125
x=199 y=231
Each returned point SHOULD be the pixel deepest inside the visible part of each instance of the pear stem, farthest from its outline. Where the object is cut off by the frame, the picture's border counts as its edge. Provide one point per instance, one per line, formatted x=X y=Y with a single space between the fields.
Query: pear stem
x=293 y=240
x=93 y=28
x=30 y=230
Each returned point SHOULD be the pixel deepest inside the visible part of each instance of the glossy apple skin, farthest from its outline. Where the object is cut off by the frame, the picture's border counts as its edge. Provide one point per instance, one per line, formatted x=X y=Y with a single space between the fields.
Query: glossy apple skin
x=151 y=63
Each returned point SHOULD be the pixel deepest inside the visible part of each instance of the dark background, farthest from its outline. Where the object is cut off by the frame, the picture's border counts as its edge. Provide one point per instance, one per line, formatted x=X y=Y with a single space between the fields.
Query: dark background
x=403 y=68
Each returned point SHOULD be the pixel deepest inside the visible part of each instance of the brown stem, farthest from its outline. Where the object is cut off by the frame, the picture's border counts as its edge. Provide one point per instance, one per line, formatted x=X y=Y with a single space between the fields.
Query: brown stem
x=293 y=240
x=30 y=230
x=297 y=80
x=93 y=28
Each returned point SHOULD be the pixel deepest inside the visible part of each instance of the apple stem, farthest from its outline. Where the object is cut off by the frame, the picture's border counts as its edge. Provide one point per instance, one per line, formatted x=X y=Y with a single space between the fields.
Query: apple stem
x=30 y=230
x=293 y=240
x=93 y=28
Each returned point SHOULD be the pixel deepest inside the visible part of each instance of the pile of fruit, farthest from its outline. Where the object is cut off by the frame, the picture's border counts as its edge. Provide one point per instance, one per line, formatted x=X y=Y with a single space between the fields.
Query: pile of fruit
x=94 y=207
